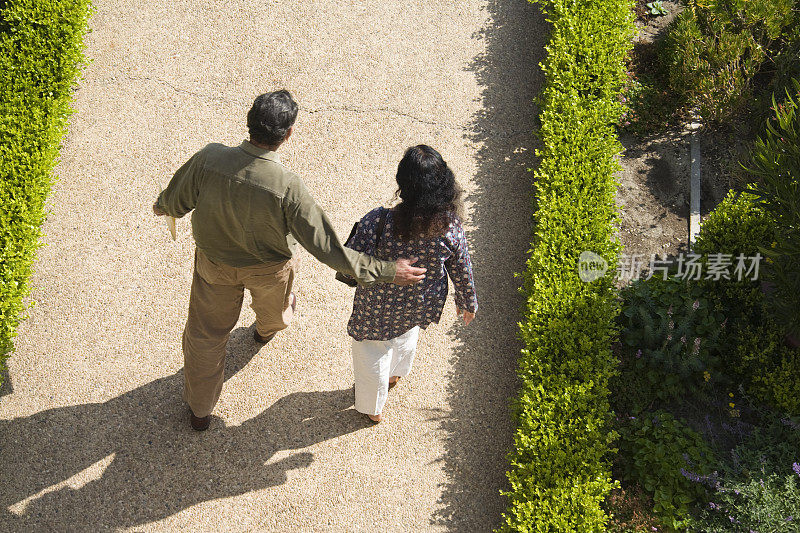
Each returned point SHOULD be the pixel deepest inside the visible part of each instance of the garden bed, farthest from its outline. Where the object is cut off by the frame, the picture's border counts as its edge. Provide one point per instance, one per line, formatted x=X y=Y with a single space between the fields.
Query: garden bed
x=706 y=401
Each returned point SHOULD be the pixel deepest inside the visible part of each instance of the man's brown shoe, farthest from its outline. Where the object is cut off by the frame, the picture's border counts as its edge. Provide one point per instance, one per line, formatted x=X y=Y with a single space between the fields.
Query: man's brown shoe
x=200 y=424
x=259 y=338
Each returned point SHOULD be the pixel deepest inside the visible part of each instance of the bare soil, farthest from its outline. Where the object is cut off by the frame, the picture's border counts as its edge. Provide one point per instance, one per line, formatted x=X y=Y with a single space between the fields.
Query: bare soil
x=653 y=192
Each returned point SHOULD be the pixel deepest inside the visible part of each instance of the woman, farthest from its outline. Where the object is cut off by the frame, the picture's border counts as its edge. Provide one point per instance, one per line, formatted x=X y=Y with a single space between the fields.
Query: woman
x=386 y=318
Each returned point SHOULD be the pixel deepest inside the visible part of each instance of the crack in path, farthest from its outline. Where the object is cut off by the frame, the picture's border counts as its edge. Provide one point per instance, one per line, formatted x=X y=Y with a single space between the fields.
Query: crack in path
x=333 y=109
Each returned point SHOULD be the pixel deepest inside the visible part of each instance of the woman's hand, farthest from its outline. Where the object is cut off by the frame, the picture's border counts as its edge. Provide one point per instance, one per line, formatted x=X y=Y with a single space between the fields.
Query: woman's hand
x=468 y=317
x=158 y=211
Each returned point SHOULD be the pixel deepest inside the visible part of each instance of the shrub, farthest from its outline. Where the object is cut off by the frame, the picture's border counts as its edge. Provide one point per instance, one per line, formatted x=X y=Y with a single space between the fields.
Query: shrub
x=676 y=333
x=739 y=224
x=769 y=369
x=560 y=474
x=779 y=384
x=786 y=63
x=40 y=56
x=714 y=50
x=776 y=162
x=666 y=458
x=757 y=357
x=767 y=503
x=758 y=487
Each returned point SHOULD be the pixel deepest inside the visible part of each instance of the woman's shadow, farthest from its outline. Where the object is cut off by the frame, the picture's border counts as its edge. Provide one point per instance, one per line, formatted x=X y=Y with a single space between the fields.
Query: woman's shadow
x=154 y=464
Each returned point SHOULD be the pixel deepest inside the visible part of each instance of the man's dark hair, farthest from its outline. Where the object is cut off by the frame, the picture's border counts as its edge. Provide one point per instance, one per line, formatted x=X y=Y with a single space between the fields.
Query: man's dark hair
x=271 y=117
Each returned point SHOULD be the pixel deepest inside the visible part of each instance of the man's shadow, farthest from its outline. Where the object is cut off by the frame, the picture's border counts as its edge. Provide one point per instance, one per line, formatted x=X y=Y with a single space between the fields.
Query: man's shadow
x=155 y=465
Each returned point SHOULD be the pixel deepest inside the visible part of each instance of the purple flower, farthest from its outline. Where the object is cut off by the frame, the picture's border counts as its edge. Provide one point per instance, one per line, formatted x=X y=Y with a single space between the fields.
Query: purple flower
x=695 y=305
x=710 y=480
x=638 y=353
x=791 y=424
x=796 y=468
x=691 y=476
x=713 y=505
x=707 y=420
x=735 y=457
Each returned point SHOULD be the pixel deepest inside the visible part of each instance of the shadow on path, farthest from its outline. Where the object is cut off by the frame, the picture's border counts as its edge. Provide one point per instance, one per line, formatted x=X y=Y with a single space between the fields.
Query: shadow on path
x=151 y=464
x=483 y=380
x=7 y=387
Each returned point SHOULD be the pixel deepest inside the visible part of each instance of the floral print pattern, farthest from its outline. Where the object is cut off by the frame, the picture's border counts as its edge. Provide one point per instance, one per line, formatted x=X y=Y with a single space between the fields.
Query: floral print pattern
x=384 y=311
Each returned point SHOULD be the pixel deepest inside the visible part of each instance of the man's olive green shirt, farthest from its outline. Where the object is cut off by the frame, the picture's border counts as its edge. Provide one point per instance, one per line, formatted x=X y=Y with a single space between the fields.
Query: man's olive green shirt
x=249 y=209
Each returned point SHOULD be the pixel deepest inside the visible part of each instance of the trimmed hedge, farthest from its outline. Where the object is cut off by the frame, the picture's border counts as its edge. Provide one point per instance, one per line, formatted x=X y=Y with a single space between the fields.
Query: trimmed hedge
x=560 y=473
x=41 y=44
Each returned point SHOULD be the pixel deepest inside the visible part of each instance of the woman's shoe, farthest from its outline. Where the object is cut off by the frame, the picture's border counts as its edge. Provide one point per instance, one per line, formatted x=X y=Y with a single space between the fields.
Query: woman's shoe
x=375 y=418
x=393 y=383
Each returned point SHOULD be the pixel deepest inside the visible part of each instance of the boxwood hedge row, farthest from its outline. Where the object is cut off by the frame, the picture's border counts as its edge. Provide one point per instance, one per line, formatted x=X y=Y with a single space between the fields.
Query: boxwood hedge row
x=41 y=44
x=559 y=473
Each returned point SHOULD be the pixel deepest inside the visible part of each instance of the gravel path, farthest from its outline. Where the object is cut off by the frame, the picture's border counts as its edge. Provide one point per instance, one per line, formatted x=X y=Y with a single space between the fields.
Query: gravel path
x=93 y=433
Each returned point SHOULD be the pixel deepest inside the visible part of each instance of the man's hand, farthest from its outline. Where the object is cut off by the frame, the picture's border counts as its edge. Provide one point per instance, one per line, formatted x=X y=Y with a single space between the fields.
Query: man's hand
x=158 y=211
x=468 y=317
x=407 y=274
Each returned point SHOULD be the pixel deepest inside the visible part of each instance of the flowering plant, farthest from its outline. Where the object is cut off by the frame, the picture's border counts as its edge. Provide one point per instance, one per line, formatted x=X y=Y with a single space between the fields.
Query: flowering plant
x=758 y=486
x=675 y=334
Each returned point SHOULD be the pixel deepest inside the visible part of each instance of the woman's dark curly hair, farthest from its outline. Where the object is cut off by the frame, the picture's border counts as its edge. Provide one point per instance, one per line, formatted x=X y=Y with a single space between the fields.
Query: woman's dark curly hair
x=428 y=192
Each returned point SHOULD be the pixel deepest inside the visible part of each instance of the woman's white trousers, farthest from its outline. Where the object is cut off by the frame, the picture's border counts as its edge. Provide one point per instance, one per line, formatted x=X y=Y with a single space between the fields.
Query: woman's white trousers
x=374 y=362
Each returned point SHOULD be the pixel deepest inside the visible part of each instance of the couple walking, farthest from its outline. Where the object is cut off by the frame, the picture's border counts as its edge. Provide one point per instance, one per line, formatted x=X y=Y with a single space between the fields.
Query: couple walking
x=249 y=214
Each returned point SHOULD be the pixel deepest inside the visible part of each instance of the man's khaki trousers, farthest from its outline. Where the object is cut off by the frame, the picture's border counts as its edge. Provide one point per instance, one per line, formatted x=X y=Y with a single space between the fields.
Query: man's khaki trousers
x=214 y=306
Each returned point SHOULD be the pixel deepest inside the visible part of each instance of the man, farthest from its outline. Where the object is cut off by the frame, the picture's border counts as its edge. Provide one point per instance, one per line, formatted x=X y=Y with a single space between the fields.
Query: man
x=249 y=213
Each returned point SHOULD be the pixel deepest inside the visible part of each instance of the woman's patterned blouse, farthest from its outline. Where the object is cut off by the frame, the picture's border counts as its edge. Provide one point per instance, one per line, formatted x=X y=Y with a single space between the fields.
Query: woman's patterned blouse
x=384 y=311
